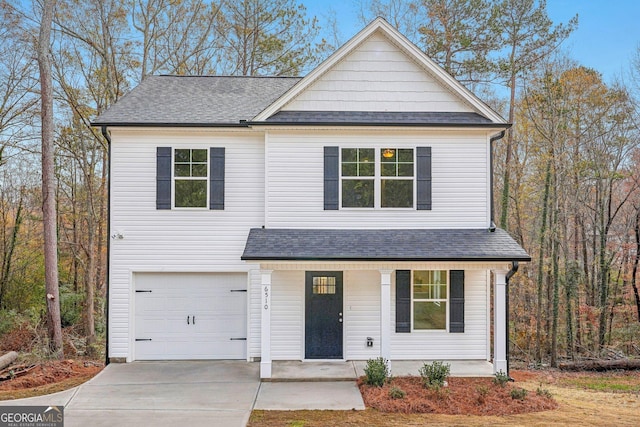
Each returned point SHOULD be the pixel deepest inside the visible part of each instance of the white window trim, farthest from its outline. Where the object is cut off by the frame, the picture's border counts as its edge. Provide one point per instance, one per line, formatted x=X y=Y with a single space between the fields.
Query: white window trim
x=377 y=179
x=189 y=178
x=431 y=331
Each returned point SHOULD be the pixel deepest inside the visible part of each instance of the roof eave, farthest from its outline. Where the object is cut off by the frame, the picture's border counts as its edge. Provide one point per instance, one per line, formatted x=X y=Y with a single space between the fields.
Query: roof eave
x=386 y=124
x=170 y=124
x=393 y=259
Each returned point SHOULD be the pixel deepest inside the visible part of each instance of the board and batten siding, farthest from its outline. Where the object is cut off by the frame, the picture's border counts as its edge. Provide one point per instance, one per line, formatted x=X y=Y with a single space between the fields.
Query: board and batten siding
x=177 y=240
x=295 y=166
x=377 y=76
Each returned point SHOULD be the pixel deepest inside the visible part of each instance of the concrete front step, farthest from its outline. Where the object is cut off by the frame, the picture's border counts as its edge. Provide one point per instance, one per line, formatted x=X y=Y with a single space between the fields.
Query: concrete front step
x=318 y=371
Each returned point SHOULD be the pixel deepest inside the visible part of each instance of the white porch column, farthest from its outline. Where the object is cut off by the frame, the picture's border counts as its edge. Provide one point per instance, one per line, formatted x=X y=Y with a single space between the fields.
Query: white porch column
x=265 y=321
x=385 y=315
x=500 y=323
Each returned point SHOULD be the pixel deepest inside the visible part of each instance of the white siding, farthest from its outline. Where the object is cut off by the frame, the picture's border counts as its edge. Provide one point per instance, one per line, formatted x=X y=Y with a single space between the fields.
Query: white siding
x=177 y=240
x=472 y=344
x=362 y=320
x=362 y=314
x=377 y=76
x=287 y=315
x=459 y=180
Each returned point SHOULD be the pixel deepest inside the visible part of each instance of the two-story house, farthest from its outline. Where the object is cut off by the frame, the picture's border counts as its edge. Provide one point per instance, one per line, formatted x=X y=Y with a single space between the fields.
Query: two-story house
x=345 y=215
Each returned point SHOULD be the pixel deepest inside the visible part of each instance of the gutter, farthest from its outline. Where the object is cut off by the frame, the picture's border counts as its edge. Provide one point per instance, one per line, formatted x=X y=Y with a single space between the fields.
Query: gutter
x=492 y=225
x=105 y=133
x=380 y=124
x=514 y=269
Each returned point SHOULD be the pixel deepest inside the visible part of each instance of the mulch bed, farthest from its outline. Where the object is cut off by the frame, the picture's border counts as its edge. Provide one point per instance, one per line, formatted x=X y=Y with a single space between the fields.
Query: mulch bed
x=468 y=396
x=49 y=372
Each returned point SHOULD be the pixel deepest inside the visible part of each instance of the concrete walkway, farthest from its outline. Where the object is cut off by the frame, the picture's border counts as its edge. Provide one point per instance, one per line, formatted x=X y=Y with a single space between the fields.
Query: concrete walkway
x=351 y=370
x=217 y=393
x=192 y=393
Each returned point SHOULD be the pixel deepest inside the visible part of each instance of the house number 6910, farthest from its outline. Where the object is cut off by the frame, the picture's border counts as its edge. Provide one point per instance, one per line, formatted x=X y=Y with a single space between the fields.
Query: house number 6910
x=266 y=297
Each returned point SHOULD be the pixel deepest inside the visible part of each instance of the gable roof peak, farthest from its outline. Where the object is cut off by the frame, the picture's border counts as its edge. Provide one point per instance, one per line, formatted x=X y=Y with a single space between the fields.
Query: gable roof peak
x=381 y=25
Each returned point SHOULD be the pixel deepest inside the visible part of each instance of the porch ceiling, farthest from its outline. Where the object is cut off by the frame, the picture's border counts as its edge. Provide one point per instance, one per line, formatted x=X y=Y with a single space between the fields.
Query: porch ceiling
x=382 y=245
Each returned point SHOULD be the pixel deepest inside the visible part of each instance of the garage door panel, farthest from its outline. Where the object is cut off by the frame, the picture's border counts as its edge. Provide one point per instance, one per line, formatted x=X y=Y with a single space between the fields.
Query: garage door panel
x=212 y=300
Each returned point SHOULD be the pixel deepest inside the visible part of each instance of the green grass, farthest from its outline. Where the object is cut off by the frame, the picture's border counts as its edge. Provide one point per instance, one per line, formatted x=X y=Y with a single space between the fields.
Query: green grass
x=617 y=384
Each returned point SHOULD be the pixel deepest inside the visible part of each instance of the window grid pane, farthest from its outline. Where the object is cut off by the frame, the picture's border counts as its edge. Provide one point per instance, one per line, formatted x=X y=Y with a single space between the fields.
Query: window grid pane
x=429 y=315
x=396 y=193
x=324 y=285
x=357 y=193
x=358 y=162
x=396 y=162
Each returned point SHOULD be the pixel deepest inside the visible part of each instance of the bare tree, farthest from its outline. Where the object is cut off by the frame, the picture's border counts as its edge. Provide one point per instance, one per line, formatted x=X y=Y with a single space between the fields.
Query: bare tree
x=48 y=182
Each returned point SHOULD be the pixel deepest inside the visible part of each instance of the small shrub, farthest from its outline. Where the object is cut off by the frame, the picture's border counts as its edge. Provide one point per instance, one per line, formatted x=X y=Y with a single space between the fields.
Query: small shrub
x=377 y=371
x=434 y=375
x=397 y=393
x=518 y=394
x=501 y=378
x=440 y=393
x=544 y=392
x=483 y=391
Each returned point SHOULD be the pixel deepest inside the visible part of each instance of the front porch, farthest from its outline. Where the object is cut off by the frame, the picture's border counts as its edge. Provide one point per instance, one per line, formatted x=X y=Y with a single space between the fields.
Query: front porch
x=404 y=295
x=291 y=370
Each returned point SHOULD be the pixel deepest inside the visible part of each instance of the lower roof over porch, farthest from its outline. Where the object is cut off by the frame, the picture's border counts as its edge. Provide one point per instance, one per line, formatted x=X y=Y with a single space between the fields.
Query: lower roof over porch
x=381 y=245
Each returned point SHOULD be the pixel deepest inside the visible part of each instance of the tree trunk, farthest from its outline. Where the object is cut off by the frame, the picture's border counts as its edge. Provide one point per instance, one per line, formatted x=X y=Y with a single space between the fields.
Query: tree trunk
x=5 y=274
x=7 y=359
x=48 y=183
x=601 y=365
x=90 y=285
x=543 y=232
x=506 y=180
x=556 y=288
x=636 y=260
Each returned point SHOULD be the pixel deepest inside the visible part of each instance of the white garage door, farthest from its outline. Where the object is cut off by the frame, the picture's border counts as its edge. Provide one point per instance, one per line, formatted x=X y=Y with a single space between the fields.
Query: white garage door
x=190 y=316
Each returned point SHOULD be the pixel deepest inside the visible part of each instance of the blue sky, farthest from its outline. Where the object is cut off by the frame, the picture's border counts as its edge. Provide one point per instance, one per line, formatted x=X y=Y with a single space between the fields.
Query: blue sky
x=606 y=39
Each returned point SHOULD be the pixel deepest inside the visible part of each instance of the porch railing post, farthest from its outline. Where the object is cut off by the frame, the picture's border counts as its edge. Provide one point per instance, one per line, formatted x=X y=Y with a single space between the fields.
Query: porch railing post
x=265 y=321
x=499 y=323
x=385 y=315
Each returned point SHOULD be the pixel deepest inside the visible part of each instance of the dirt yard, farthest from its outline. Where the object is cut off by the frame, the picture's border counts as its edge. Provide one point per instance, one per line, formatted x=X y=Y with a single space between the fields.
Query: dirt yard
x=28 y=380
x=585 y=399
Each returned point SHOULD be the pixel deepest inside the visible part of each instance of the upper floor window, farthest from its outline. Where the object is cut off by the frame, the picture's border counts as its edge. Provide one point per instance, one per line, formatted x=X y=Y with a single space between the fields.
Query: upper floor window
x=372 y=178
x=190 y=171
x=358 y=172
x=396 y=183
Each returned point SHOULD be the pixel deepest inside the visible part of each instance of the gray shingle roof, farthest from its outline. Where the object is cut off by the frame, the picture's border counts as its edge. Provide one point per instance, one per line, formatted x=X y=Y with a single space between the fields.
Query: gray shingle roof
x=389 y=245
x=227 y=100
x=380 y=117
x=196 y=100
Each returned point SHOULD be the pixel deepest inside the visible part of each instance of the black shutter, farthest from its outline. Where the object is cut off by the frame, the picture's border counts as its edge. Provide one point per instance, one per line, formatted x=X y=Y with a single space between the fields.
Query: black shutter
x=456 y=298
x=216 y=178
x=403 y=300
x=423 y=160
x=163 y=178
x=331 y=179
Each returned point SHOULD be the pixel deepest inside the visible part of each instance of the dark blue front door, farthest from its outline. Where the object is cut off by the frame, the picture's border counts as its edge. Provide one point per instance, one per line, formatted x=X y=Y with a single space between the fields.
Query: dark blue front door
x=323 y=315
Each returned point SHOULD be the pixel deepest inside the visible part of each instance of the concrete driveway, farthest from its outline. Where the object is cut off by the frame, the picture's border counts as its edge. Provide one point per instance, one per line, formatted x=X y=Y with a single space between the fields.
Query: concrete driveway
x=193 y=393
